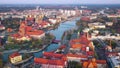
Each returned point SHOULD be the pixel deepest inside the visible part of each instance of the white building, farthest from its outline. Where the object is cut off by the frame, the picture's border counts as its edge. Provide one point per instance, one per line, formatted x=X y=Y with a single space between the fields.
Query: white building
x=114 y=61
x=96 y=25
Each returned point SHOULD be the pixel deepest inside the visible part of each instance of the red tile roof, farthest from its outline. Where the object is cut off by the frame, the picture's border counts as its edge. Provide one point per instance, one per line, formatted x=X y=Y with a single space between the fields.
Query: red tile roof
x=90 y=53
x=44 y=23
x=88 y=64
x=36 y=32
x=15 y=35
x=51 y=62
x=14 y=55
x=76 y=55
x=28 y=28
x=62 y=47
x=30 y=19
x=85 y=18
x=41 y=60
x=1 y=26
x=9 y=30
x=82 y=40
x=77 y=46
x=101 y=61
x=56 y=62
x=50 y=54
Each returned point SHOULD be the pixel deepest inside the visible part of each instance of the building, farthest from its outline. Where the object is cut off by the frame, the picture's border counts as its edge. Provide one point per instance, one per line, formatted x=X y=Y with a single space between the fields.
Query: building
x=47 y=63
x=15 y=57
x=18 y=37
x=53 y=21
x=93 y=63
x=86 y=12
x=113 y=16
x=55 y=61
x=93 y=17
x=27 y=32
x=76 y=57
x=80 y=49
x=85 y=18
x=44 y=24
x=37 y=34
x=114 y=59
x=109 y=23
x=1 y=26
x=96 y=25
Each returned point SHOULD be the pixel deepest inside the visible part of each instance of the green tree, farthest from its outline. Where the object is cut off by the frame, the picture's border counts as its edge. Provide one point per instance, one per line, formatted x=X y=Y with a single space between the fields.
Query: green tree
x=10 y=39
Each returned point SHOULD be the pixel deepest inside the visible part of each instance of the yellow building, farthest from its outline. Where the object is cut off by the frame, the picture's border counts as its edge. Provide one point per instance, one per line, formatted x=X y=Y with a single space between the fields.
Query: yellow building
x=15 y=57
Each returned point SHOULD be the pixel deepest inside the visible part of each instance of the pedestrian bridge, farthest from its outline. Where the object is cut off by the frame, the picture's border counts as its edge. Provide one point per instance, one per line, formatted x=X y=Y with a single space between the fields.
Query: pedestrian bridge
x=55 y=41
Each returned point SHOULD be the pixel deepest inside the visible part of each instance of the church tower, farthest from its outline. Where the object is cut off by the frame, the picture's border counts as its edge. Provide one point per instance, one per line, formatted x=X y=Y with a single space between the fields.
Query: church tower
x=22 y=29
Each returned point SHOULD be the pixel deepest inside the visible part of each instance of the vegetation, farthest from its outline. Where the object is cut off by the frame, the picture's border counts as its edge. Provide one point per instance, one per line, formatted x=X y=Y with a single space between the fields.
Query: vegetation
x=80 y=23
x=11 y=23
x=69 y=36
x=96 y=43
x=96 y=56
x=1 y=63
x=74 y=64
x=111 y=43
x=32 y=44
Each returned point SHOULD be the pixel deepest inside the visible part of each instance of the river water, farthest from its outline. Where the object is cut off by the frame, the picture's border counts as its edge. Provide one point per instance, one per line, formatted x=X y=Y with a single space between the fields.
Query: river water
x=58 y=32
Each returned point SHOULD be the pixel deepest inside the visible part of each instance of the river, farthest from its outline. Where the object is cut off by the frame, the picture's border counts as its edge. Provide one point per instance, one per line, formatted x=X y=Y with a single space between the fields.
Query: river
x=58 y=32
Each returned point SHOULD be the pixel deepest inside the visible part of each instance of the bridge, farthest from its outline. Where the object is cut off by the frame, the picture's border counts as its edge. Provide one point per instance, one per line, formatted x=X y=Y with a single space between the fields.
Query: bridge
x=55 y=41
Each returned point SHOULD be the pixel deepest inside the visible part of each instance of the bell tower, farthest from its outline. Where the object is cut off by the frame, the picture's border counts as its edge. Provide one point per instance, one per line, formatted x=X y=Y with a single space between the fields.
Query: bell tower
x=22 y=29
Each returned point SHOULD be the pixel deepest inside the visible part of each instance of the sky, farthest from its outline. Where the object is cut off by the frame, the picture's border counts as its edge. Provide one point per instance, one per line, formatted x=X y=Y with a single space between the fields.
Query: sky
x=59 y=1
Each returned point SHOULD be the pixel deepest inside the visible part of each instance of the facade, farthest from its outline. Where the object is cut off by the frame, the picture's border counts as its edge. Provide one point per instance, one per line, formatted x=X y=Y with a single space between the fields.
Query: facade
x=55 y=61
x=114 y=59
x=15 y=57
x=53 y=21
x=80 y=49
x=46 y=63
x=1 y=26
x=93 y=63
x=27 y=32
x=96 y=25
x=113 y=16
x=109 y=23
x=85 y=18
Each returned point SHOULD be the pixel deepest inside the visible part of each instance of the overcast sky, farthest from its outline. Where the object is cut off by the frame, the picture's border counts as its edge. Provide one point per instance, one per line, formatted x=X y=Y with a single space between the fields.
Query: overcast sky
x=59 y=1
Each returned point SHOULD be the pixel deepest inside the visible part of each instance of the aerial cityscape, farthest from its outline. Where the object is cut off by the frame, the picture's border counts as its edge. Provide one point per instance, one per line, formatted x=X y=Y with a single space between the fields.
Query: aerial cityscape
x=59 y=34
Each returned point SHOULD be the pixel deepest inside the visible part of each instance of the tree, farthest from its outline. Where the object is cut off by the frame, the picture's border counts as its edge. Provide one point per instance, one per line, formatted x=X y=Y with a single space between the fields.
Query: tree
x=9 y=39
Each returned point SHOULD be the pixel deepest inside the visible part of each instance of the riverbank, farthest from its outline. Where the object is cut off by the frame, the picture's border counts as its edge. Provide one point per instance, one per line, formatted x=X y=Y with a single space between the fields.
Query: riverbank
x=58 y=32
x=28 y=51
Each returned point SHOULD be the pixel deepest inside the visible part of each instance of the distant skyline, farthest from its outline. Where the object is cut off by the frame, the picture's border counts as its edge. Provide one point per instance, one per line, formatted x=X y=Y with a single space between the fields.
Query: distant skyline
x=59 y=1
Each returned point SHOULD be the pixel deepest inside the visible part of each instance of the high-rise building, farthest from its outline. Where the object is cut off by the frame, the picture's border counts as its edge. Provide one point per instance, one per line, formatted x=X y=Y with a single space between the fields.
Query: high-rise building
x=77 y=11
